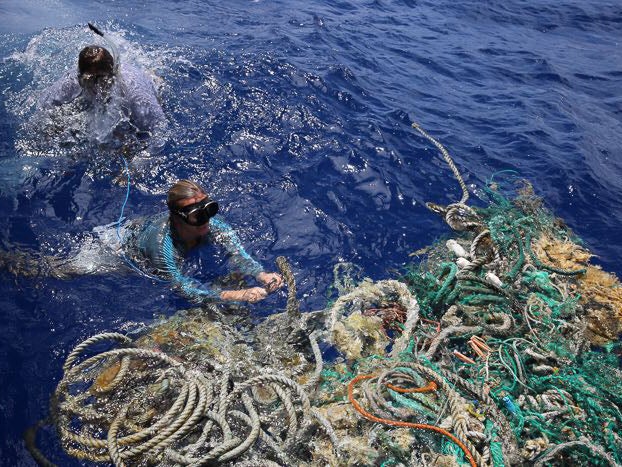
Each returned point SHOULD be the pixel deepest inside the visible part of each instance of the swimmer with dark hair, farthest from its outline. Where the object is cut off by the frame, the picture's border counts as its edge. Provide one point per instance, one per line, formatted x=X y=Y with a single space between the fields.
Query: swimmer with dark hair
x=100 y=77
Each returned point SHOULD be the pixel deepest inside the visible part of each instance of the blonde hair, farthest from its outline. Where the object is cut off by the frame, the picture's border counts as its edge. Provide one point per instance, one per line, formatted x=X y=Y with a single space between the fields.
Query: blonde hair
x=183 y=189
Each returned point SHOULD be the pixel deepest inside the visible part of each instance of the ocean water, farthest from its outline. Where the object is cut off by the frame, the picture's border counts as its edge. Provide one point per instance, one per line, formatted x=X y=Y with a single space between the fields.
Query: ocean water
x=296 y=116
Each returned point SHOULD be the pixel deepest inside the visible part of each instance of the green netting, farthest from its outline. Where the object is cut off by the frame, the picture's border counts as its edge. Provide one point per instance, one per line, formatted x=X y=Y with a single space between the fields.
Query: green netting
x=498 y=348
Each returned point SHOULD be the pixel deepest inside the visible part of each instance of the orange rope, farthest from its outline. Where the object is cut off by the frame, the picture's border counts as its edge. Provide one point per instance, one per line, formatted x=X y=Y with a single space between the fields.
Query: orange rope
x=430 y=387
x=438 y=325
x=419 y=426
x=464 y=358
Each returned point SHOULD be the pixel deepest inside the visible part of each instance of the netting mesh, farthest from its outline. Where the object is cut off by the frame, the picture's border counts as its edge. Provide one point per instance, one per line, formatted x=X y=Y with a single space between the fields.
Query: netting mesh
x=499 y=347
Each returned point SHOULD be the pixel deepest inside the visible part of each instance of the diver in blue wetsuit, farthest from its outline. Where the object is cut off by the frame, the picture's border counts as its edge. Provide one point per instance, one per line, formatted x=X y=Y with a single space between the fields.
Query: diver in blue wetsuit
x=158 y=244
x=101 y=81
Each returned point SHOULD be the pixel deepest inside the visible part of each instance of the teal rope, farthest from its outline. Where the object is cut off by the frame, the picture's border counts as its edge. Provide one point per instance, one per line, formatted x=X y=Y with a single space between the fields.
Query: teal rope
x=451 y=270
x=128 y=261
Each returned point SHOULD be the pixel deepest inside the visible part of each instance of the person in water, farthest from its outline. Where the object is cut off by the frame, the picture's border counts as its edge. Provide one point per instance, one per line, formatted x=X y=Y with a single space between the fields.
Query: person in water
x=99 y=80
x=157 y=245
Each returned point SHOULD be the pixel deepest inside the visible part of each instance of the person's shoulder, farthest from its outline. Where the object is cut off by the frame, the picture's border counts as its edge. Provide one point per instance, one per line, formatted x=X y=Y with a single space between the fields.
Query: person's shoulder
x=63 y=90
x=153 y=221
x=135 y=75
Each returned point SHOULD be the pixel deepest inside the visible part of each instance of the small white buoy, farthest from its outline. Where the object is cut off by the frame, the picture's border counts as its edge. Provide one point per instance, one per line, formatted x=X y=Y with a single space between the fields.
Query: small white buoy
x=493 y=279
x=463 y=263
x=456 y=248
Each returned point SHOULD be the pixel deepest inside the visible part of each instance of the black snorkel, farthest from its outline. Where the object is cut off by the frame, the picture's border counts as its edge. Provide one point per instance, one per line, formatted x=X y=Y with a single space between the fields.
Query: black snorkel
x=111 y=44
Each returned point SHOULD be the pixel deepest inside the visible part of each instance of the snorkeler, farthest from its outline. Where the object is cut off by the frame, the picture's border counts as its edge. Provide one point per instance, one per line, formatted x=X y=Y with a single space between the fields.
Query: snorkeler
x=101 y=80
x=157 y=246
x=159 y=243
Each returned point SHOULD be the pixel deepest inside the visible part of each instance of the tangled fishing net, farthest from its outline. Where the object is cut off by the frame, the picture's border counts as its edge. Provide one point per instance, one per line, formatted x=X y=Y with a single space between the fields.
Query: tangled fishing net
x=500 y=347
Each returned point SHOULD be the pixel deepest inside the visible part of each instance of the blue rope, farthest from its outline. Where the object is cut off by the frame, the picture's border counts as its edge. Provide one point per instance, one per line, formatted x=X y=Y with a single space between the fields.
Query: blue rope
x=127 y=196
x=128 y=261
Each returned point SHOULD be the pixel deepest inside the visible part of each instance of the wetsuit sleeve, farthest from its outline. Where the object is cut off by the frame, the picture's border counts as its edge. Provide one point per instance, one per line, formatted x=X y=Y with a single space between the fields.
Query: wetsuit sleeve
x=226 y=236
x=190 y=288
x=62 y=92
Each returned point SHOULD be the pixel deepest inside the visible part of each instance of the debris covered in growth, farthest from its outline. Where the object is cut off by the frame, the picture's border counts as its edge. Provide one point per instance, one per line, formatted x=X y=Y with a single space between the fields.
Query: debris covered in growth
x=500 y=348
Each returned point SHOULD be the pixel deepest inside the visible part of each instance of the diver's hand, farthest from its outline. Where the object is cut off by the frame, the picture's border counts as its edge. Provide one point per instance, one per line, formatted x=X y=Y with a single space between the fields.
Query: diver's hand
x=251 y=295
x=270 y=280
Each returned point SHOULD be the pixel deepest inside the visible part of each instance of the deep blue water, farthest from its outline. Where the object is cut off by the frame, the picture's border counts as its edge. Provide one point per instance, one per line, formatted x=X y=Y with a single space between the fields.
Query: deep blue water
x=296 y=116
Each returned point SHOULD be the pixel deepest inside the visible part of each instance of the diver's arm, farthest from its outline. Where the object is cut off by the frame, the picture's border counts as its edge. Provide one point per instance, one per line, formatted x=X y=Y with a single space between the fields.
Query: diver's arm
x=251 y=295
x=226 y=236
x=61 y=92
x=196 y=292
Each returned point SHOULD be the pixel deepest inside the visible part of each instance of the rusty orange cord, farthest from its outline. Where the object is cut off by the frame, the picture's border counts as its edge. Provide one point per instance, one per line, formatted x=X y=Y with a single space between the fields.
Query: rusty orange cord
x=419 y=426
x=464 y=358
x=430 y=387
x=429 y=321
x=480 y=347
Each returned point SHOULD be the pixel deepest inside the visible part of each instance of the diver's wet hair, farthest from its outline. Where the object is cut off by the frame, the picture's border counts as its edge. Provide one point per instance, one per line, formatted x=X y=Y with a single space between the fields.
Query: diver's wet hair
x=95 y=59
x=183 y=189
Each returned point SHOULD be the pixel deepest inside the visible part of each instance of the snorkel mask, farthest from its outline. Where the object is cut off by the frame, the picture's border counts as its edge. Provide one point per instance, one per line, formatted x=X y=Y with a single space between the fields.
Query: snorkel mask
x=199 y=213
x=96 y=72
x=95 y=82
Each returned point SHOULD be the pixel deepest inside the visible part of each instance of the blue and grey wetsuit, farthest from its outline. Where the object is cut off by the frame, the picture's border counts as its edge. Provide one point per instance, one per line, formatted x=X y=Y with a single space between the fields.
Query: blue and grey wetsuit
x=137 y=96
x=151 y=244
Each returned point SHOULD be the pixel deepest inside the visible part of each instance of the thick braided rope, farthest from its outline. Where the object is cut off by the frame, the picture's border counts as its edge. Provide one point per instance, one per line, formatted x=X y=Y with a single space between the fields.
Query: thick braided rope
x=190 y=423
x=376 y=390
x=408 y=375
x=261 y=379
x=73 y=373
x=75 y=353
x=410 y=304
x=583 y=441
x=288 y=405
x=264 y=437
x=448 y=159
x=378 y=403
x=456 y=404
x=375 y=293
x=131 y=439
x=166 y=436
x=422 y=426
x=208 y=387
x=476 y=241
x=233 y=447
x=30 y=439
x=113 y=446
x=292 y=307
x=319 y=363
x=252 y=436
x=364 y=291
x=456 y=214
x=139 y=353
x=328 y=429
x=510 y=446
x=475 y=263
x=257 y=463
